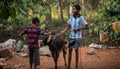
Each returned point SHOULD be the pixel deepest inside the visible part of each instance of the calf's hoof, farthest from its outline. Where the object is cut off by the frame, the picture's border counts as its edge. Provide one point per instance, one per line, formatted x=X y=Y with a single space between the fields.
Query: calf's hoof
x=76 y=67
x=65 y=65
x=55 y=67
x=68 y=67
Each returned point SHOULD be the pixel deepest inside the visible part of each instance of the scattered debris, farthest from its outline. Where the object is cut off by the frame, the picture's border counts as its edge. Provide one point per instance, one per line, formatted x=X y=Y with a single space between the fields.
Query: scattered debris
x=97 y=46
x=2 y=61
x=93 y=46
x=19 y=66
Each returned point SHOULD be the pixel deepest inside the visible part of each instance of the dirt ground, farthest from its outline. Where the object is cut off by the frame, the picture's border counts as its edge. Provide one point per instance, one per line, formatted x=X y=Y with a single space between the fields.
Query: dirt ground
x=102 y=59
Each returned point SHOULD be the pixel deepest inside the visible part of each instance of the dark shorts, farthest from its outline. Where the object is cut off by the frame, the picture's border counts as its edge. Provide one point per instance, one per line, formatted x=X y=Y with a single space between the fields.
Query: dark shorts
x=34 y=56
x=74 y=43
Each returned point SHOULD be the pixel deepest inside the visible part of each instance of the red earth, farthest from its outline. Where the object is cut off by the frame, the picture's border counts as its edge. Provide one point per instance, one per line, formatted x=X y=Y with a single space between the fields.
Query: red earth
x=102 y=59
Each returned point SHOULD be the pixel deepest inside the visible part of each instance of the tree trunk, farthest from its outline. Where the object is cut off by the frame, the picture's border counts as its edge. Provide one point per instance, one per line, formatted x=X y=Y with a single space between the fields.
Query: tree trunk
x=70 y=11
x=61 y=11
x=68 y=8
x=82 y=1
x=48 y=16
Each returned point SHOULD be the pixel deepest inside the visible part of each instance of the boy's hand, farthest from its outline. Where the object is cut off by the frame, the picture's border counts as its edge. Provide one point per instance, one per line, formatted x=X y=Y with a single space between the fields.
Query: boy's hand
x=47 y=33
x=76 y=29
x=62 y=32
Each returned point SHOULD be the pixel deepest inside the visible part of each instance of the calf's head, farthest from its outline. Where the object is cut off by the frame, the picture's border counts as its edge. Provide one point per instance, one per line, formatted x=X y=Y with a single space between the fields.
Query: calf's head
x=47 y=39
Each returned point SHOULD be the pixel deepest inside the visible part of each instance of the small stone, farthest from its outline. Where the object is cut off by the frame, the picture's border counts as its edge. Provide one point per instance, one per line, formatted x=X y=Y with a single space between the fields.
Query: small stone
x=91 y=51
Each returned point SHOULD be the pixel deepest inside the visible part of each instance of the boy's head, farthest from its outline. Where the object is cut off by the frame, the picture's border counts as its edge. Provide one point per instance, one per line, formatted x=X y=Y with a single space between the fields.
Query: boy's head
x=76 y=9
x=35 y=21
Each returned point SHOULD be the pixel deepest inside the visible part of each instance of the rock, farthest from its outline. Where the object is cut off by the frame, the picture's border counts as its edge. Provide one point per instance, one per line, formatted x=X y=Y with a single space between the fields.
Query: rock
x=2 y=61
x=24 y=54
x=25 y=49
x=97 y=46
x=91 y=45
x=91 y=51
x=94 y=45
x=45 y=51
x=2 y=45
x=11 y=43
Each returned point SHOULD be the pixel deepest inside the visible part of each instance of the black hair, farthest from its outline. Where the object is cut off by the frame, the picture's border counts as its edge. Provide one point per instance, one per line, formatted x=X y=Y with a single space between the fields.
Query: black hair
x=77 y=7
x=35 y=20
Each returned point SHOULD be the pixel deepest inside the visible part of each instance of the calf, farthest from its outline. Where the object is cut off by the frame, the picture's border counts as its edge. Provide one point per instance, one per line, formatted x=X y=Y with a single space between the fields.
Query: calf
x=56 y=45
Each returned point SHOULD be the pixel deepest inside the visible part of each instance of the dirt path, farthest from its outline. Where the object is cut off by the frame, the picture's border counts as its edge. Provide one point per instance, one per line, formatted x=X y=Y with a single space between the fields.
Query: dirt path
x=103 y=59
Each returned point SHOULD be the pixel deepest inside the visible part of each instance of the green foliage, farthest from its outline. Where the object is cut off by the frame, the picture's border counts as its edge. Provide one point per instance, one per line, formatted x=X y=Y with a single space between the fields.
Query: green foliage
x=105 y=17
x=112 y=8
x=16 y=12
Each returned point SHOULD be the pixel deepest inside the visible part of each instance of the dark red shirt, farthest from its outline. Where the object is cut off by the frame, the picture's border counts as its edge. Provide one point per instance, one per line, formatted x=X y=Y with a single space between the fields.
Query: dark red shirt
x=33 y=33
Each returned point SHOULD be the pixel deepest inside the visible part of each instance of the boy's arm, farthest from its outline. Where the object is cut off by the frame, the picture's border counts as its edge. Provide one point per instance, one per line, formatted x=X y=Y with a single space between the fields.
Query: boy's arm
x=23 y=32
x=47 y=33
x=78 y=29
x=44 y=33
x=84 y=23
x=86 y=27
x=65 y=30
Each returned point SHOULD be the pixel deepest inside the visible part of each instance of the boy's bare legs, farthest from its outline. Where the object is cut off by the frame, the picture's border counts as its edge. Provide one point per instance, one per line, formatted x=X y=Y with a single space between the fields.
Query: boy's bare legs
x=69 y=58
x=77 y=57
x=35 y=66
x=30 y=66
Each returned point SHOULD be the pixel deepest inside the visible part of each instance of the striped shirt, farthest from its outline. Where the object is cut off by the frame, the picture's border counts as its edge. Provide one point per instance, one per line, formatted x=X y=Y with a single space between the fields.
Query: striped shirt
x=78 y=22
x=33 y=33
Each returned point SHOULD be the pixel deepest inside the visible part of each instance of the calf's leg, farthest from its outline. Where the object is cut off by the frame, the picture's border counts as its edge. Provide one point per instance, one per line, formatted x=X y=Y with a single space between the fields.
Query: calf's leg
x=55 y=56
x=56 y=59
x=64 y=56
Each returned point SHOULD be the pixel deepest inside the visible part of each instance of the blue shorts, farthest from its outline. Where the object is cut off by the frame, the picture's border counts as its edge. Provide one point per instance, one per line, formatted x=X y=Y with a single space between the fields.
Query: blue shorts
x=74 y=43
